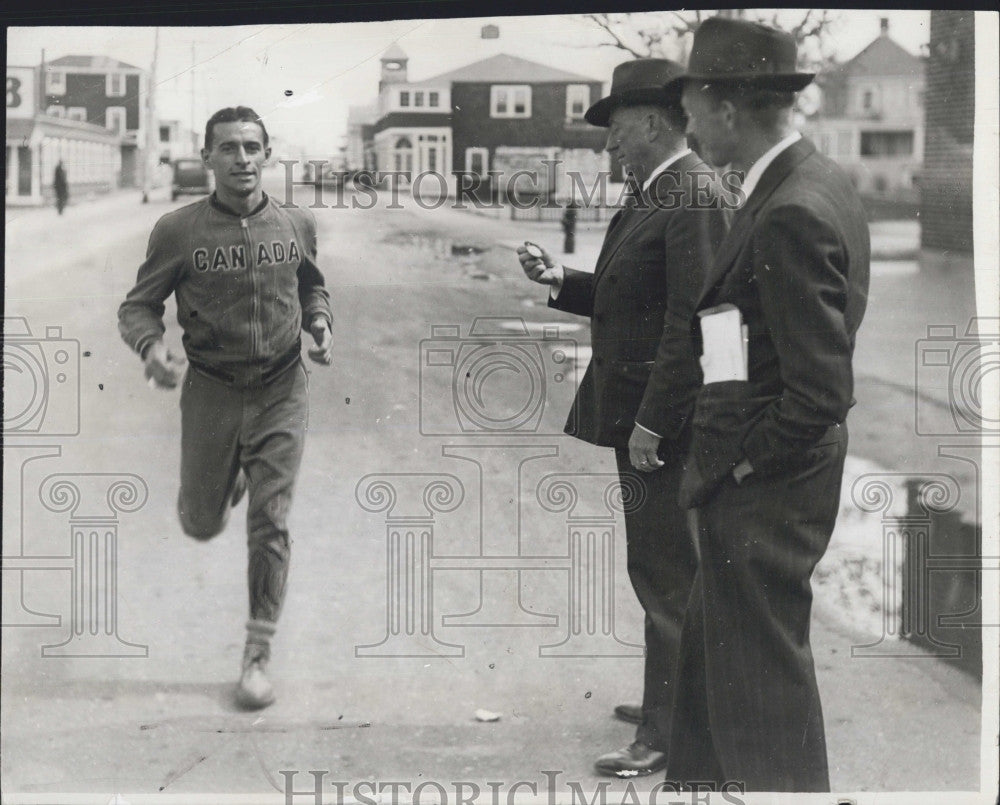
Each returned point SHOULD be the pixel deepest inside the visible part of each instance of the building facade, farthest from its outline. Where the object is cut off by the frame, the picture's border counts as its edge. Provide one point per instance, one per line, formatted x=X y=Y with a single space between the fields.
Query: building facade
x=946 y=180
x=501 y=125
x=37 y=142
x=871 y=118
x=104 y=92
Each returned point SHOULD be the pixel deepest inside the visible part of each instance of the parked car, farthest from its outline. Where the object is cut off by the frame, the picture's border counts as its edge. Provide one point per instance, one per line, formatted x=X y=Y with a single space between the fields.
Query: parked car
x=191 y=177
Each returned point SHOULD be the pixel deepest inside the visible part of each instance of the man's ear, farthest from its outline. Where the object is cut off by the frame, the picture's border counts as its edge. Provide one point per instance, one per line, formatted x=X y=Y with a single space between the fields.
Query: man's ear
x=267 y=154
x=204 y=156
x=729 y=113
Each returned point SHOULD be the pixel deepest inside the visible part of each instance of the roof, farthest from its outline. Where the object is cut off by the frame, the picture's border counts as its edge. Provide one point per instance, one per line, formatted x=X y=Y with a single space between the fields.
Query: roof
x=91 y=63
x=884 y=56
x=23 y=128
x=508 y=70
x=394 y=51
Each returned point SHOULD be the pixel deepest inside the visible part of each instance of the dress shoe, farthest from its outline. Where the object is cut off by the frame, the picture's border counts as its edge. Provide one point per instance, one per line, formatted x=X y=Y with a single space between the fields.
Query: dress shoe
x=631 y=713
x=254 y=690
x=634 y=760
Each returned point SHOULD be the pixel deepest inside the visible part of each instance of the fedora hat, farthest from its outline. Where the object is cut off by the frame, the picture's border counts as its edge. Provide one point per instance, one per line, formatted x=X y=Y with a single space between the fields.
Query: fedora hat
x=636 y=82
x=741 y=52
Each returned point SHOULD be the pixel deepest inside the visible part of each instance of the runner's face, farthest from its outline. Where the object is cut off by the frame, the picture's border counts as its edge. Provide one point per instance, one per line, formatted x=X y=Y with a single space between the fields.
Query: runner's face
x=236 y=157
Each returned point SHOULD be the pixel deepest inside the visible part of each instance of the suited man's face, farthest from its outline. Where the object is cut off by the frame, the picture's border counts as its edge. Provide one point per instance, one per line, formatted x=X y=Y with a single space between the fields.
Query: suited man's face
x=711 y=126
x=629 y=140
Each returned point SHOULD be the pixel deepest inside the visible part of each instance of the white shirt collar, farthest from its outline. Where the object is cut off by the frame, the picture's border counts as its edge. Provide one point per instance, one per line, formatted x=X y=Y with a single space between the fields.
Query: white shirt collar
x=663 y=166
x=752 y=178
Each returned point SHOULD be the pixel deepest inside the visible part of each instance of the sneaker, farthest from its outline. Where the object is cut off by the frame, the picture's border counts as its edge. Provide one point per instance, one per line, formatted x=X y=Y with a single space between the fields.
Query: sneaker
x=254 y=690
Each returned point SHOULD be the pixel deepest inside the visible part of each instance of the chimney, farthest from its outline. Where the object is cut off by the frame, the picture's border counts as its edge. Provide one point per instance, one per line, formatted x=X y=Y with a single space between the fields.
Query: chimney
x=884 y=26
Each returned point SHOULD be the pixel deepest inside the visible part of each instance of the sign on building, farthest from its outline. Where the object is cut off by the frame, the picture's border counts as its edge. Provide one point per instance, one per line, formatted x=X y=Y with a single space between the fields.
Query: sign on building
x=22 y=92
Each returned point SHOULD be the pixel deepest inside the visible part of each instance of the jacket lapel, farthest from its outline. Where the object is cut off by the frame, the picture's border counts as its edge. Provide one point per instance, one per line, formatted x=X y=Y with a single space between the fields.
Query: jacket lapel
x=744 y=218
x=633 y=217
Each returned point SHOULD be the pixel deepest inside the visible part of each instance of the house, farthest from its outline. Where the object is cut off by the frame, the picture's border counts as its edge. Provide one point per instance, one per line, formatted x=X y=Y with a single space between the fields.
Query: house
x=493 y=123
x=37 y=142
x=176 y=140
x=871 y=118
x=102 y=91
x=946 y=180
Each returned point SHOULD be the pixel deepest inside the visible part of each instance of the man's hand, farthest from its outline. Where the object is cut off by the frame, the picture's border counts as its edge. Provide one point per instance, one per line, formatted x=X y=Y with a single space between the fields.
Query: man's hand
x=163 y=368
x=323 y=351
x=540 y=269
x=642 y=447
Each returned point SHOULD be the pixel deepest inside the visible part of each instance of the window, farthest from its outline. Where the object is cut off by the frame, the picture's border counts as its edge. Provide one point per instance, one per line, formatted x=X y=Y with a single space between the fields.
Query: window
x=477 y=161
x=114 y=85
x=577 y=100
x=56 y=111
x=866 y=101
x=511 y=100
x=164 y=134
x=76 y=113
x=886 y=143
x=433 y=98
x=404 y=98
x=55 y=82
x=418 y=99
x=115 y=119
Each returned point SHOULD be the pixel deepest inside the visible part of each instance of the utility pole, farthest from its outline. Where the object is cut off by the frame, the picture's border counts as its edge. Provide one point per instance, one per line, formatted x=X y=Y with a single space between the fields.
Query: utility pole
x=194 y=122
x=152 y=123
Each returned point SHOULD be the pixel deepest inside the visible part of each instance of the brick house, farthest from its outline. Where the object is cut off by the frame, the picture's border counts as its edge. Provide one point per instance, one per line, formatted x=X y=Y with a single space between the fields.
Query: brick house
x=105 y=92
x=503 y=114
x=871 y=118
x=946 y=180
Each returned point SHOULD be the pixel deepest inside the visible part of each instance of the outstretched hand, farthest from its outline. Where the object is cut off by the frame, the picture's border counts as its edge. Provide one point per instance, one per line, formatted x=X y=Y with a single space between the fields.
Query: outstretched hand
x=538 y=265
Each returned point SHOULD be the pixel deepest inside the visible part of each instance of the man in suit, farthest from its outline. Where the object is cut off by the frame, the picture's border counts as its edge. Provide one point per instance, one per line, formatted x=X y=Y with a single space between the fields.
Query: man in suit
x=637 y=393
x=768 y=446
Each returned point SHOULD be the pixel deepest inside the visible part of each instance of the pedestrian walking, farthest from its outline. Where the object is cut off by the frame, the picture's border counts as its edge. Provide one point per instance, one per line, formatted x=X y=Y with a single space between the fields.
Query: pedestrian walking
x=243 y=271
x=776 y=328
x=637 y=392
x=60 y=184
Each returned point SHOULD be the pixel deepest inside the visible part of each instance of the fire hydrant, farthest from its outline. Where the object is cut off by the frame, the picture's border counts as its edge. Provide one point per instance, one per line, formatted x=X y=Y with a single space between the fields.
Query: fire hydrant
x=569 y=228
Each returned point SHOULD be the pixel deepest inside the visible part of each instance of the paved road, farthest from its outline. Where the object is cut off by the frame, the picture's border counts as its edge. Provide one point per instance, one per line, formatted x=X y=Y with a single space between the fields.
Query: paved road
x=388 y=407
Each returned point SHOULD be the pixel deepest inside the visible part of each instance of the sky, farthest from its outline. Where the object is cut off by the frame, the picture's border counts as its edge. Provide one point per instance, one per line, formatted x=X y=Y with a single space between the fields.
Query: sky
x=330 y=67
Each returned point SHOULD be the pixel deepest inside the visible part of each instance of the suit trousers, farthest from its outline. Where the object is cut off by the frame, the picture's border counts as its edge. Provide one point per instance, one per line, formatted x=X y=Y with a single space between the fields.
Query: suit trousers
x=748 y=708
x=661 y=566
x=261 y=430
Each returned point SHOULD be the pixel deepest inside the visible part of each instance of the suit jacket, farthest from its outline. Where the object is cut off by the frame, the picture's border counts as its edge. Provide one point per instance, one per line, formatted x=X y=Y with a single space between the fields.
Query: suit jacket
x=640 y=299
x=795 y=263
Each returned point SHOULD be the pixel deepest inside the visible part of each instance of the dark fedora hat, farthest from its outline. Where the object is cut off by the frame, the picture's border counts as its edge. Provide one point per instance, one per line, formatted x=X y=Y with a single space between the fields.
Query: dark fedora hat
x=637 y=82
x=741 y=52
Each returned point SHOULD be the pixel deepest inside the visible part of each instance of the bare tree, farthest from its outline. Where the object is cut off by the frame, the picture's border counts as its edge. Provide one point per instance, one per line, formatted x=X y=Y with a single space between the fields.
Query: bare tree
x=668 y=33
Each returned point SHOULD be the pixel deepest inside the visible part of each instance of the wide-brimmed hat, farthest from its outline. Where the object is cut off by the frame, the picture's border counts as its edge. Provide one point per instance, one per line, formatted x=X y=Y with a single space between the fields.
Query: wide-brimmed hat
x=732 y=51
x=635 y=82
